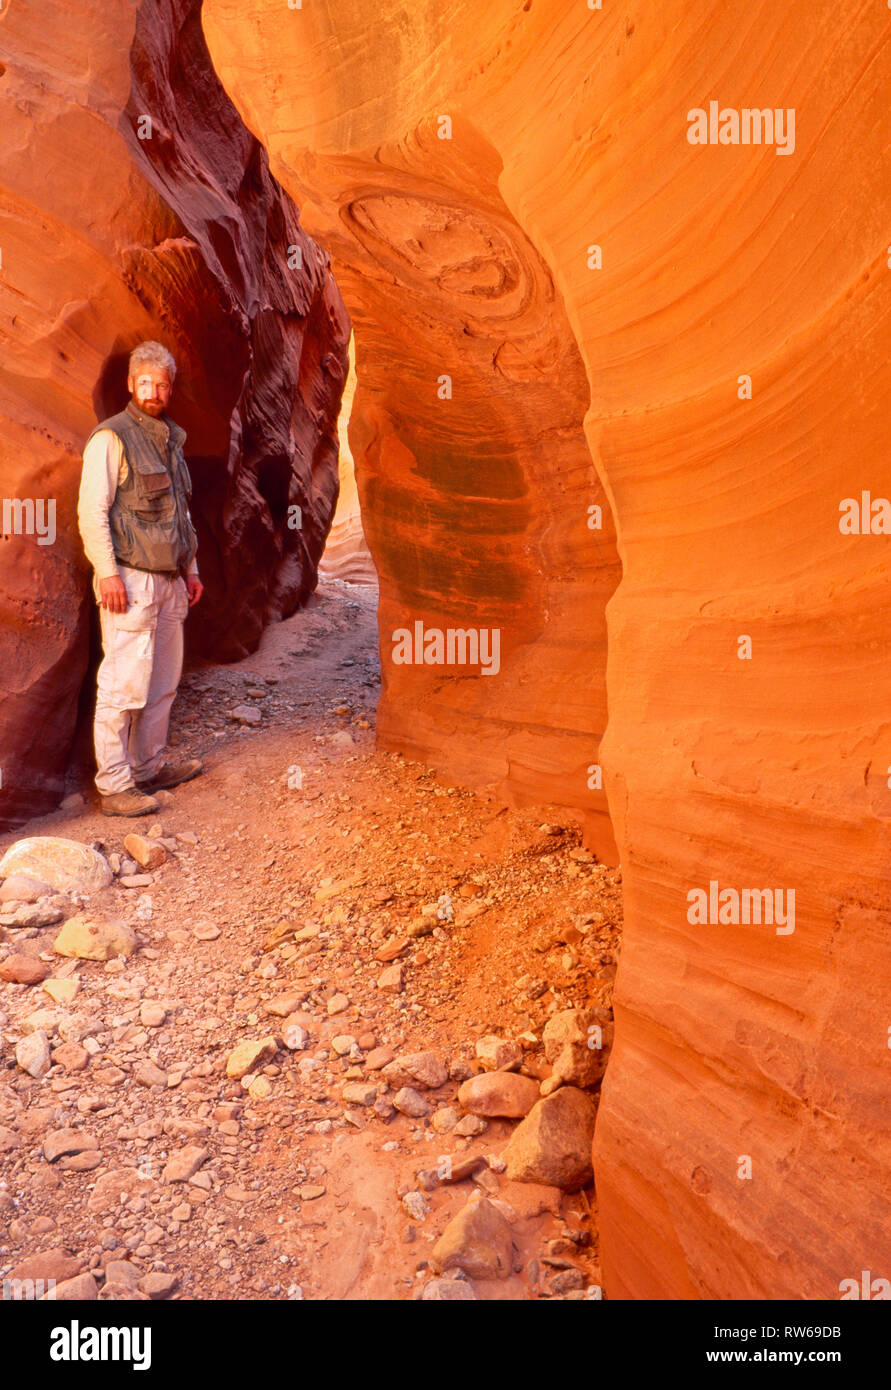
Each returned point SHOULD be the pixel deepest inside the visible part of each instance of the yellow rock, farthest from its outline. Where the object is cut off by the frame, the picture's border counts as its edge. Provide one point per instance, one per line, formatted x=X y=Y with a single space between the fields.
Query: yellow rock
x=63 y=991
x=146 y=852
x=95 y=938
x=260 y=1088
x=248 y=1055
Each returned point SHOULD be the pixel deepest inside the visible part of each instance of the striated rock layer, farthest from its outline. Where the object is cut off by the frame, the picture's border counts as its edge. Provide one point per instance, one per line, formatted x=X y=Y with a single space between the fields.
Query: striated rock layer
x=742 y=1143
x=474 y=475
x=108 y=238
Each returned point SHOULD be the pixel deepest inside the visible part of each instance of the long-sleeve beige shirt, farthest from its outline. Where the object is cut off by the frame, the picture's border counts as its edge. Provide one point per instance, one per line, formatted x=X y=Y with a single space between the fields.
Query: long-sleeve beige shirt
x=104 y=468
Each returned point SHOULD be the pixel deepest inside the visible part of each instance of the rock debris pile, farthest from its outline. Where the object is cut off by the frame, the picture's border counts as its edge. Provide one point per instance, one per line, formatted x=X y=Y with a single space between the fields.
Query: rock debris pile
x=338 y=1041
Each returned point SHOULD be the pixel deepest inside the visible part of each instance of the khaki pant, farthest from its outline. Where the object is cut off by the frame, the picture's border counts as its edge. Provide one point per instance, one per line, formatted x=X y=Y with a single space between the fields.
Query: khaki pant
x=137 y=679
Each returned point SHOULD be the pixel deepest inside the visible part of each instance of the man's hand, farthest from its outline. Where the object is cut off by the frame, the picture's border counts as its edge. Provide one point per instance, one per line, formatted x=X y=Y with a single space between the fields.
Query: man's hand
x=195 y=588
x=113 y=594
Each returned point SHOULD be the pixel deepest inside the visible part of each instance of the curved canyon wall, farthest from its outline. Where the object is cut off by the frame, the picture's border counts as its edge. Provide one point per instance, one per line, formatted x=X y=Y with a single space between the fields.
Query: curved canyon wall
x=512 y=202
x=135 y=204
x=473 y=471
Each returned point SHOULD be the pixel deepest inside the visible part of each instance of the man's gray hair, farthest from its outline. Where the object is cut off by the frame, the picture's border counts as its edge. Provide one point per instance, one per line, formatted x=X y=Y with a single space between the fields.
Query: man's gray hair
x=151 y=355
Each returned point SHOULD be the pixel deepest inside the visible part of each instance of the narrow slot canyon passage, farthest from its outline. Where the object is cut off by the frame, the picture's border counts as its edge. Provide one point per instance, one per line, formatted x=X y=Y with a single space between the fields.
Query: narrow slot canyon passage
x=514 y=922
x=390 y=938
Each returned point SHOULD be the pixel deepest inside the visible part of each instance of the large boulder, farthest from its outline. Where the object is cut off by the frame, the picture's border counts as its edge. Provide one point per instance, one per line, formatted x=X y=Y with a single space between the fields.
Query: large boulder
x=478 y=1240
x=553 y=1144
x=498 y=1093
x=66 y=865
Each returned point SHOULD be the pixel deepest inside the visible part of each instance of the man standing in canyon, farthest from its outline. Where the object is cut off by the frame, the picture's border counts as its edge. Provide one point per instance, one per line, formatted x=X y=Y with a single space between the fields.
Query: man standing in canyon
x=133 y=516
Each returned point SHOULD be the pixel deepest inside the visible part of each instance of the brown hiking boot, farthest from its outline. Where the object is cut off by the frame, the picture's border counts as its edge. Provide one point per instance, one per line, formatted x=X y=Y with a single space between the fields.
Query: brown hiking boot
x=131 y=802
x=171 y=774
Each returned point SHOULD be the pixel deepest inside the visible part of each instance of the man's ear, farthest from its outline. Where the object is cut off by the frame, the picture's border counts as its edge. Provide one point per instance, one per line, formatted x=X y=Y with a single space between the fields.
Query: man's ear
x=131 y=384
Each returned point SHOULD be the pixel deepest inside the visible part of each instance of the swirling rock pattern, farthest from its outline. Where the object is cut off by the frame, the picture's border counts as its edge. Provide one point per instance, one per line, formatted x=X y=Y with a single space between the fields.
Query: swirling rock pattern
x=473 y=471
x=472 y=256
x=106 y=238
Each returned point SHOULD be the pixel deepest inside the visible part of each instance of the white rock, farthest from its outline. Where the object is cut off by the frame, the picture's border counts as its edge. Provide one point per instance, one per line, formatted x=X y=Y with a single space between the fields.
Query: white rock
x=245 y=714
x=496 y=1053
x=66 y=865
x=416 y=1206
x=33 y=1054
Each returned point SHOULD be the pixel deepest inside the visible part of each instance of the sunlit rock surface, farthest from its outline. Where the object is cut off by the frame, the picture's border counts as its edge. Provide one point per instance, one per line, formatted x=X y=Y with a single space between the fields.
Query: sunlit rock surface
x=471 y=257
x=346 y=554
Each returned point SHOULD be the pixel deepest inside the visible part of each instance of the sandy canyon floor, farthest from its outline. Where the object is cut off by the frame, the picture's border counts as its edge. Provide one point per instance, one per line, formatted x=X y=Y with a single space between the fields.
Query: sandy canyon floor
x=496 y=916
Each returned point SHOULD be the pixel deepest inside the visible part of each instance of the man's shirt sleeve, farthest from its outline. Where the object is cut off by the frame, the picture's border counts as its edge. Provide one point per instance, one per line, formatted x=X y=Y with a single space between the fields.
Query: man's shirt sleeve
x=103 y=469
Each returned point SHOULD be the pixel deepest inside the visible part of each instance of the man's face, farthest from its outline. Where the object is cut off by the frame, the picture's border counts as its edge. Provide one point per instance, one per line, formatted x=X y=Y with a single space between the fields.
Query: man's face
x=150 y=389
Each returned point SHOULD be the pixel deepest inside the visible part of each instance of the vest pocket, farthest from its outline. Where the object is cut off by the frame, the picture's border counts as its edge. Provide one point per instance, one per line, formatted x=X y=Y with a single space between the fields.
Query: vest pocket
x=154 y=500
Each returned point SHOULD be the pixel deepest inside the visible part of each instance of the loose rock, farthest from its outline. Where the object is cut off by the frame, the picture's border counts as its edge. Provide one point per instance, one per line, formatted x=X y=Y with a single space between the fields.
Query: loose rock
x=391 y=980
x=359 y=1093
x=410 y=1102
x=553 y=1143
x=418 y=1069
x=54 y=1264
x=149 y=853
x=448 y=1291
x=496 y=1053
x=81 y=1289
x=502 y=1093
x=478 y=1240
x=95 y=938
x=67 y=1141
x=23 y=969
x=416 y=1206
x=445 y=1119
x=577 y=1042
x=469 y=1126
x=33 y=1054
x=62 y=991
x=158 y=1285
x=182 y=1166
x=148 y=1073
x=245 y=714
x=249 y=1055
x=32 y=915
x=22 y=888
x=66 y=865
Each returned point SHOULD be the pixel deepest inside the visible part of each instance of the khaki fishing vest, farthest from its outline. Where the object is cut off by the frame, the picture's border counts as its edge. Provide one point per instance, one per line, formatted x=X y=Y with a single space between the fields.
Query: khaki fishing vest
x=149 y=517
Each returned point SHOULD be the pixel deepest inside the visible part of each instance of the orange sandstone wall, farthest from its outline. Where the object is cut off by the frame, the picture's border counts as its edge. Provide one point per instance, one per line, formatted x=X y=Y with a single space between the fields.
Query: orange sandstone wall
x=742 y=1145
x=107 y=238
x=474 y=475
